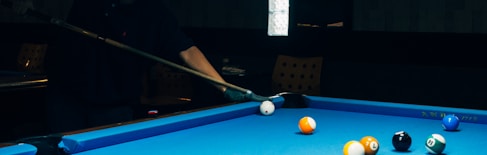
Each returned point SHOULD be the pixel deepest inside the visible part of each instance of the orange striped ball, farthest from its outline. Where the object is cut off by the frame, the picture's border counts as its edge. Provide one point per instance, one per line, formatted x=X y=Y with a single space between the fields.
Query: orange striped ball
x=307 y=125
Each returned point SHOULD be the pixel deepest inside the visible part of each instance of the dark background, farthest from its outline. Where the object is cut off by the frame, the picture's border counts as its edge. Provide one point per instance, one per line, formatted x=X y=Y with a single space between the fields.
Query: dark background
x=409 y=51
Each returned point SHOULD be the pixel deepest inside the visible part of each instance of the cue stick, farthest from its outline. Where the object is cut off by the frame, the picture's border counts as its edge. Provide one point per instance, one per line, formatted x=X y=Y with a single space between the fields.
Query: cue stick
x=61 y=23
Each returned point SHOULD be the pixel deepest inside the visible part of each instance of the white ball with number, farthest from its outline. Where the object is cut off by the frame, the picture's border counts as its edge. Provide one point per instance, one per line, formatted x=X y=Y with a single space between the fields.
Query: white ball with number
x=267 y=108
x=435 y=143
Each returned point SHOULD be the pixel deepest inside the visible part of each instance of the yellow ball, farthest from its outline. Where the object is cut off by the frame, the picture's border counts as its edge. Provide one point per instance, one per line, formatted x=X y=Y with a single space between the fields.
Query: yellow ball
x=353 y=147
x=307 y=125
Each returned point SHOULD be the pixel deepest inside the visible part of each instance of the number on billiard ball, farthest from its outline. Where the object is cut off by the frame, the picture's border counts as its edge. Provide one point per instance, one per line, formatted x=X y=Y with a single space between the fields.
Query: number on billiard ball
x=371 y=145
x=401 y=141
x=435 y=143
x=450 y=122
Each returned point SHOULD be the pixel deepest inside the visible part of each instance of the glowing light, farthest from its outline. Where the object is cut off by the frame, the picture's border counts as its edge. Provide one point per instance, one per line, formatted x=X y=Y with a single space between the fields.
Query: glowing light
x=278 y=22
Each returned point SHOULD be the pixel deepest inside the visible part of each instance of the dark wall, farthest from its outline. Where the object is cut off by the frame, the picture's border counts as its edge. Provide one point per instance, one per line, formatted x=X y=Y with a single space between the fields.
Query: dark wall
x=22 y=113
x=13 y=35
x=444 y=69
x=409 y=51
x=450 y=16
x=417 y=48
x=408 y=58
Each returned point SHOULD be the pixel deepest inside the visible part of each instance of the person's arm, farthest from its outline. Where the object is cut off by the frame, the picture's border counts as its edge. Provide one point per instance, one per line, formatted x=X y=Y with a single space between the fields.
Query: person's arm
x=195 y=59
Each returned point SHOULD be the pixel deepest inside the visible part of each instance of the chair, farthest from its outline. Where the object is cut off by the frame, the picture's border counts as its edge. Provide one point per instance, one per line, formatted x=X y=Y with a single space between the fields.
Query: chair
x=31 y=58
x=299 y=75
x=167 y=89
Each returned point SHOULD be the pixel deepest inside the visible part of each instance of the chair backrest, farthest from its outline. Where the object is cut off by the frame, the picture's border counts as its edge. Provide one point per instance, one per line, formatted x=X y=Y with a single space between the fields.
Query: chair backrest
x=172 y=82
x=31 y=57
x=297 y=75
x=167 y=87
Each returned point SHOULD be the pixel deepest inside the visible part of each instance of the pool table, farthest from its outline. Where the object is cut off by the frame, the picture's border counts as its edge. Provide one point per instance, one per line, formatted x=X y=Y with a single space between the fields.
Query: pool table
x=15 y=80
x=241 y=129
x=22 y=94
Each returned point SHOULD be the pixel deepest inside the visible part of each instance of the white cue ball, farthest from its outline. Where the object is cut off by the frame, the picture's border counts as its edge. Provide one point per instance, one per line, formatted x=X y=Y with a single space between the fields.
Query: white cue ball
x=267 y=108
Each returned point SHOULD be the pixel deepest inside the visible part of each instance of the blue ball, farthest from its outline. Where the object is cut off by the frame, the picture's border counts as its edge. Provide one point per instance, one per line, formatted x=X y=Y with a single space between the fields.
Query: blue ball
x=450 y=122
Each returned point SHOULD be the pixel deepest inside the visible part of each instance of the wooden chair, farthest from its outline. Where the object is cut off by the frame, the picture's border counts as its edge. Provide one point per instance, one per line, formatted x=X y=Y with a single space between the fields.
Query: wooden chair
x=31 y=58
x=299 y=75
x=167 y=89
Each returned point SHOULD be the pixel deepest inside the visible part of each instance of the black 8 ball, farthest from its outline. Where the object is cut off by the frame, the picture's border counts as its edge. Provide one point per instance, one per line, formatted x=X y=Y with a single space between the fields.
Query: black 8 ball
x=401 y=141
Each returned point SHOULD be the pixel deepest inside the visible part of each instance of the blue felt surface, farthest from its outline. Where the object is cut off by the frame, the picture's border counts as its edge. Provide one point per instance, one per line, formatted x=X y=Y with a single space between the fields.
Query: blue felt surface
x=398 y=109
x=101 y=138
x=19 y=149
x=279 y=134
x=252 y=133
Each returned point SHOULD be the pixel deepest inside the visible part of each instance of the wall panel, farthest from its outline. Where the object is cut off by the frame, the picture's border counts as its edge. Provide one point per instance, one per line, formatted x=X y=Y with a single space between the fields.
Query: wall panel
x=452 y=16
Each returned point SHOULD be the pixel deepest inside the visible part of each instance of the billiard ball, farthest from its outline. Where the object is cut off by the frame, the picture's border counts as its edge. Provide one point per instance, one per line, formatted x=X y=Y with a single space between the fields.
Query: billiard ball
x=307 y=125
x=450 y=122
x=401 y=141
x=371 y=145
x=353 y=147
x=267 y=108
x=435 y=144
x=153 y=113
